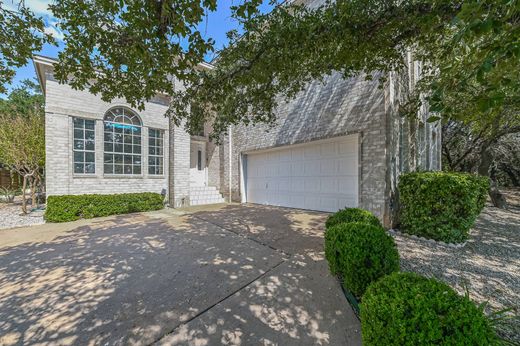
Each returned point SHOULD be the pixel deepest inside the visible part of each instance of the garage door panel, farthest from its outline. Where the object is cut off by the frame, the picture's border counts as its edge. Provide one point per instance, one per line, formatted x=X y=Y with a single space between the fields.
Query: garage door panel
x=328 y=150
x=328 y=167
x=311 y=168
x=319 y=176
x=297 y=154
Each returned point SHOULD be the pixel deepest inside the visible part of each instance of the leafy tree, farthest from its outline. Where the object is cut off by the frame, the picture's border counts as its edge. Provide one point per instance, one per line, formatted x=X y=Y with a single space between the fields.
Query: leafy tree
x=22 y=137
x=21 y=34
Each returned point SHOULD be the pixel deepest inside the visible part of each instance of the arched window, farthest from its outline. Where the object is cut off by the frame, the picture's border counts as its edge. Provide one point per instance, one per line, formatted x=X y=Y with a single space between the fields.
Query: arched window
x=122 y=142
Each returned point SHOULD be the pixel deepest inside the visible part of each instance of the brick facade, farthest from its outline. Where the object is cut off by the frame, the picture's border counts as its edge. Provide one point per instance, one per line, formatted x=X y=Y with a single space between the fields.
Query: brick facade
x=389 y=144
x=62 y=104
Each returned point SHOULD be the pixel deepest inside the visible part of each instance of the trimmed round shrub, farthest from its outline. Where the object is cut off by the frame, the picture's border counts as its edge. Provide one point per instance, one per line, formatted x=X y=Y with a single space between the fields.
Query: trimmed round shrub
x=408 y=309
x=360 y=253
x=352 y=215
x=439 y=205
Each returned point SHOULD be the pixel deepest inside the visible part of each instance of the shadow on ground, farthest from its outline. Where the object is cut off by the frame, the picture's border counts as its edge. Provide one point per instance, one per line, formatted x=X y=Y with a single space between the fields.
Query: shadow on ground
x=146 y=278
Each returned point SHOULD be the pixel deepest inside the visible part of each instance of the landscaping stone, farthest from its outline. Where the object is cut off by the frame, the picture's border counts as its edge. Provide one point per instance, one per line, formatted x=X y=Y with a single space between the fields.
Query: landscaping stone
x=11 y=216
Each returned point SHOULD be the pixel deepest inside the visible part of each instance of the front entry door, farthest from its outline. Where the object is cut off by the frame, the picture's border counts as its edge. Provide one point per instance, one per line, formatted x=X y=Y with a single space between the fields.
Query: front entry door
x=198 y=170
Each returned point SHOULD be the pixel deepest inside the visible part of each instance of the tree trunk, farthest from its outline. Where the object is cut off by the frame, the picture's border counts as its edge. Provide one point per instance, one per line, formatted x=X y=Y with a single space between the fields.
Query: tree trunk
x=34 y=183
x=24 y=202
x=486 y=159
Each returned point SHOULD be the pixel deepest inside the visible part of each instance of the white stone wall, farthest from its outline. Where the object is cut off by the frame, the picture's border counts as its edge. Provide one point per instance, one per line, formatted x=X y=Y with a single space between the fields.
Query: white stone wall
x=62 y=104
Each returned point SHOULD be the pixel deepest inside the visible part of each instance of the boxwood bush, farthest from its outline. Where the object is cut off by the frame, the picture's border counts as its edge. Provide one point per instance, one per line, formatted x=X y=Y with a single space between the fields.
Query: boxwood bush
x=408 y=309
x=360 y=253
x=73 y=207
x=352 y=215
x=439 y=205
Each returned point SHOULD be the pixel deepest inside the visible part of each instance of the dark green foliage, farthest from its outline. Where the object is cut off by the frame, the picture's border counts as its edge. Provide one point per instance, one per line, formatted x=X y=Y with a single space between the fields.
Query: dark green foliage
x=408 y=309
x=69 y=208
x=360 y=253
x=352 y=215
x=441 y=206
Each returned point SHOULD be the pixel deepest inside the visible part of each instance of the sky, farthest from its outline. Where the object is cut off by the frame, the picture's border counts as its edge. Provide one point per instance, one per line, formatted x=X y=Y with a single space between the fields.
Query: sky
x=216 y=27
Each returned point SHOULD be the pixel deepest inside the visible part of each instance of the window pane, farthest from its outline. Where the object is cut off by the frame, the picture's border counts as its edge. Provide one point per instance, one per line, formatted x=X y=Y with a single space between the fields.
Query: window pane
x=78 y=156
x=118 y=158
x=109 y=147
x=89 y=124
x=128 y=159
x=89 y=168
x=78 y=123
x=78 y=144
x=109 y=136
x=137 y=160
x=89 y=157
x=108 y=169
x=152 y=151
x=118 y=148
x=118 y=137
x=108 y=158
x=127 y=169
x=78 y=168
x=128 y=148
x=136 y=169
x=137 y=149
x=89 y=134
x=118 y=169
x=78 y=134
x=89 y=144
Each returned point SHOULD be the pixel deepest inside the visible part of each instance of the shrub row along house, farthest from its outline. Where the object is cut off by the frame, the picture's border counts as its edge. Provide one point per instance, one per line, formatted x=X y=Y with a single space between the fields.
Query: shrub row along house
x=340 y=143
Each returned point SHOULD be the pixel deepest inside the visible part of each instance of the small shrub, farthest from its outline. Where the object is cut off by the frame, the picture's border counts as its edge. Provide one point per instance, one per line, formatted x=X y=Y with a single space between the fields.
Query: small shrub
x=352 y=215
x=360 y=253
x=441 y=206
x=73 y=207
x=408 y=309
x=7 y=194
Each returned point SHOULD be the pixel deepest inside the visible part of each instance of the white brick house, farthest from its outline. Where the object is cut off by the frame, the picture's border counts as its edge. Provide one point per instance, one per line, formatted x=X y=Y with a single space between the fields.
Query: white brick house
x=339 y=143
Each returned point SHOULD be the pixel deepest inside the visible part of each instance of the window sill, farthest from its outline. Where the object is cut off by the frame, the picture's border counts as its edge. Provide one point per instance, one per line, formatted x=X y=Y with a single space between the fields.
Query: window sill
x=151 y=176
x=123 y=176
x=81 y=176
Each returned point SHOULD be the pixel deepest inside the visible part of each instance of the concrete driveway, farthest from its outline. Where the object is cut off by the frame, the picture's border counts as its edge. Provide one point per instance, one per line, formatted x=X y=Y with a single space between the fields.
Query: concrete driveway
x=226 y=274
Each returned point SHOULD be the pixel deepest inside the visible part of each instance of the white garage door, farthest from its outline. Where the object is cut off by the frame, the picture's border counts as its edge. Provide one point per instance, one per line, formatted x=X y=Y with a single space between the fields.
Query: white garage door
x=320 y=175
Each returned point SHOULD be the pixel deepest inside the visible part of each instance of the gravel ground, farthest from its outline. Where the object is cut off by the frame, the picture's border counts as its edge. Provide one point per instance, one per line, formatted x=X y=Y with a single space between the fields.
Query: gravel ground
x=489 y=264
x=11 y=216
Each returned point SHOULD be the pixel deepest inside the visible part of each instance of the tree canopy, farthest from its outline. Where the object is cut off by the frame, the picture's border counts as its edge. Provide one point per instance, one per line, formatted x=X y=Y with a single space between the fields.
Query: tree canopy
x=22 y=135
x=132 y=49
x=21 y=34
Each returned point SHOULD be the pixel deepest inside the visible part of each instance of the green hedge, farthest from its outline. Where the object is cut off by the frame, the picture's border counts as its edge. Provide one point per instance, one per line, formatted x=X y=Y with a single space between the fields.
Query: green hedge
x=352 y=215
x=73 y=207
x=360 y=253
x=408 y=309
x=441 y=206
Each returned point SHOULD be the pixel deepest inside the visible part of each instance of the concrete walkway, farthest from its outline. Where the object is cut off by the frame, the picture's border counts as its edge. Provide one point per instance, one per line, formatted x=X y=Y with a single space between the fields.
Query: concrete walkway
x=226 y=274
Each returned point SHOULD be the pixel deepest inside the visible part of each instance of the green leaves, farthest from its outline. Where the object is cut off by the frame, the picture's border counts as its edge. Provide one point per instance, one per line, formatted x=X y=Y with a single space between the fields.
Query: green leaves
x=360 y=253
x=441 y=206
x=70 y=208
x=407 y=309
x=21 y=34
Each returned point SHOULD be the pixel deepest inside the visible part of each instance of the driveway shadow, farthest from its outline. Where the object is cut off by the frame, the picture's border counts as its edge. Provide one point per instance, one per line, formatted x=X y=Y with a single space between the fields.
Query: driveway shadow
x=125 y=281
x=292 y=231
